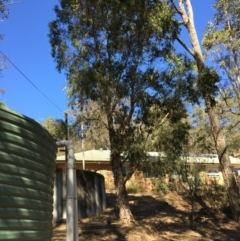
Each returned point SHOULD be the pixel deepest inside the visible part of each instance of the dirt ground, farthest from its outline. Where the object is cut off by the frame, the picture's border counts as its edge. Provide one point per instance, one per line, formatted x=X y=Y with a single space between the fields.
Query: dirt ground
x=157 y=218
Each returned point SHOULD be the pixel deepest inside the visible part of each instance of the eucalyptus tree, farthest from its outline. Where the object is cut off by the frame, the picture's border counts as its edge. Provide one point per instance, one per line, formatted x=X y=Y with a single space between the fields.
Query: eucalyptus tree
x=93 y=118
x=113 y=56
x=207 y=89
x=56 y=127
x=201 y=139
x=166 y=121
x=229 y=117
x=222 y=40
x=222 y=45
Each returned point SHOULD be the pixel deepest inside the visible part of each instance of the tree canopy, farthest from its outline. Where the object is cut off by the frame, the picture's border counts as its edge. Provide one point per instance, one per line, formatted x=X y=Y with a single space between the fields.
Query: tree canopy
x=56 y=127
x=208 y=79
x=222 y=45
x=120 y=55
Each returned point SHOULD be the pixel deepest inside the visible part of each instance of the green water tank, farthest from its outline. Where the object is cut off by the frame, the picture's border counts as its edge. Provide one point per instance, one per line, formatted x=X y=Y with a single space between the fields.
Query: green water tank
x=27 y=165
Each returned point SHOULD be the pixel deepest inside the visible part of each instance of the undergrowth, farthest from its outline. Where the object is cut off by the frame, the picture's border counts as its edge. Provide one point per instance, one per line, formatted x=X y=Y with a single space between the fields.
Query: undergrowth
x=135 y=187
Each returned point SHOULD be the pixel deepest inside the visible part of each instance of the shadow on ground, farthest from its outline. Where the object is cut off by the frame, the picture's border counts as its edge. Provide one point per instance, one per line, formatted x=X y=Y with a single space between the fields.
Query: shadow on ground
x=157 y=218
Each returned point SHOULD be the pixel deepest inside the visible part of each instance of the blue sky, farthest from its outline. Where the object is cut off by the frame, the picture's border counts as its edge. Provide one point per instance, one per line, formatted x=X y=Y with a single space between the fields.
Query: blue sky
x=27 y=45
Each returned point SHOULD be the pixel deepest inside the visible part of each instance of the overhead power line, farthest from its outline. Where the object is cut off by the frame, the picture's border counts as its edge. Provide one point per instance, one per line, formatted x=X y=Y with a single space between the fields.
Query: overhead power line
x=30 y=82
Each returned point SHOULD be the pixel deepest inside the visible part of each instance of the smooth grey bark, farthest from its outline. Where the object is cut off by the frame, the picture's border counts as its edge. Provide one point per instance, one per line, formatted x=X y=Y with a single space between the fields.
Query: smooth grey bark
x=185 y=10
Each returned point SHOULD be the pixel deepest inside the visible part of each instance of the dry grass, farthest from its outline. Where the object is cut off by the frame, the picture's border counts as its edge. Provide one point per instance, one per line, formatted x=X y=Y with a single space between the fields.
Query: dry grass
x=157 y=219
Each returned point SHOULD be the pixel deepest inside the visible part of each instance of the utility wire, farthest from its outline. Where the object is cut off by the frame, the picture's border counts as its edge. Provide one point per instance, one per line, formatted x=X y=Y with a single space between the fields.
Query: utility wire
x=30 y=81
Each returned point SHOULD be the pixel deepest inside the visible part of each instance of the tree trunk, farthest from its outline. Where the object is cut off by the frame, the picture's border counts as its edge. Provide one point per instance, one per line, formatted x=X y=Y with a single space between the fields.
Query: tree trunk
x=123 y=209
x=224 y=160
x=220 y=144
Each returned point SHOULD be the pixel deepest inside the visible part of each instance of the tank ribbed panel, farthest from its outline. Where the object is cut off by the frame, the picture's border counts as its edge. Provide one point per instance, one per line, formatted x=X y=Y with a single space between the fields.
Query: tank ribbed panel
x=27 y=165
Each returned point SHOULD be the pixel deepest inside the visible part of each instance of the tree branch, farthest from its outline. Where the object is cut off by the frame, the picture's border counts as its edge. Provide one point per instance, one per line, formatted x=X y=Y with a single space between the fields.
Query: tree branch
x=186 y=47
x=182 y=12
x=164 y=118
x=189 y=10
x=175 y=7
x=130 y=173
x=231 y=127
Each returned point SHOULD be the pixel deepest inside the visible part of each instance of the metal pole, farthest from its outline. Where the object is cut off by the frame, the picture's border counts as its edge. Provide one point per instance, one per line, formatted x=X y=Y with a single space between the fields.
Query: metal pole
x=83 y=159
x=66 y=135
x=72 y=203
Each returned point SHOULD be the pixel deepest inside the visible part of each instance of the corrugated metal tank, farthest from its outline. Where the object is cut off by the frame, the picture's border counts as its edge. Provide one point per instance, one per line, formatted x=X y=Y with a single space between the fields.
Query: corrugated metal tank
x=27 y=165
x=90 y=191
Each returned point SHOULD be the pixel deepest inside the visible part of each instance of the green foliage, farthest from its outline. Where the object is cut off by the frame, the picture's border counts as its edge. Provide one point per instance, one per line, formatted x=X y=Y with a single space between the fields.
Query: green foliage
x=207 y=81
x=161 y=188
x=161 y=19
x=212 y=193
x=224 y=29
x=171 y=139
x=215 y=195
x=213 y=38
x=200 y=134
x=230 y=122
x=166 y=119
x=94 y=119
x=158 y=168
x=191 y=176
x=222 y=43
x=135 y=187
x=119 y=54
x=56 y=127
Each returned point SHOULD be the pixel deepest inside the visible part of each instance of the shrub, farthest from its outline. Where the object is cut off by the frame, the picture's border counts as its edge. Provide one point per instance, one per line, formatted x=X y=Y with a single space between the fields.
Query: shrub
x=162 y=188
x=215 y=195
x=135 y=187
